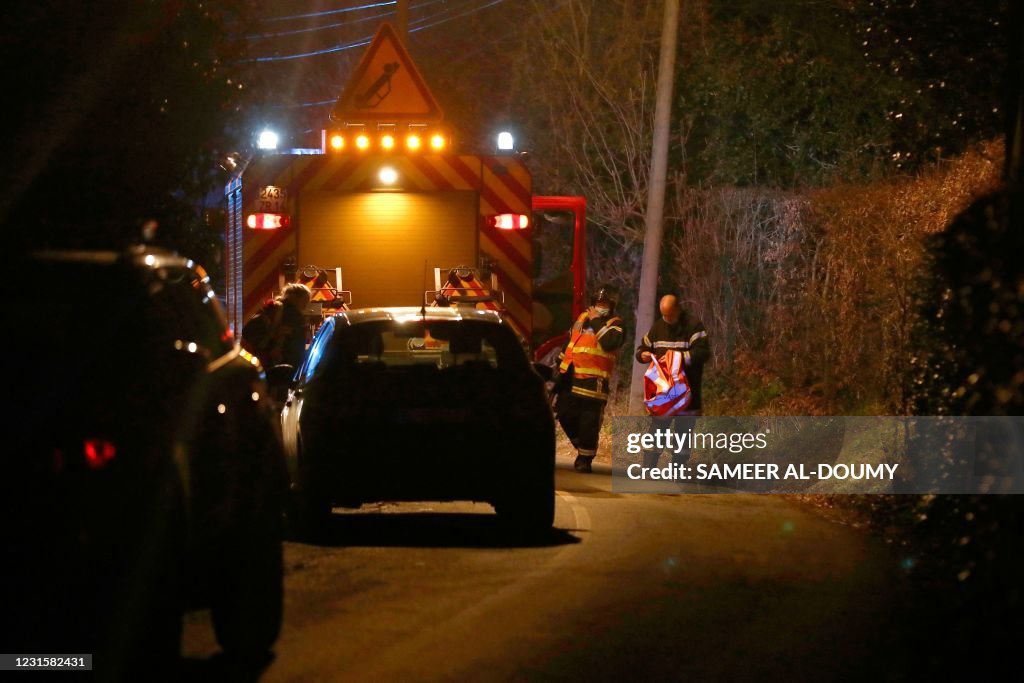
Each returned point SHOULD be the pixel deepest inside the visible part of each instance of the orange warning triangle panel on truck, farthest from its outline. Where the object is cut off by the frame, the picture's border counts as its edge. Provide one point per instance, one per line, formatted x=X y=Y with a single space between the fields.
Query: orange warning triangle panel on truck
x=386 y=86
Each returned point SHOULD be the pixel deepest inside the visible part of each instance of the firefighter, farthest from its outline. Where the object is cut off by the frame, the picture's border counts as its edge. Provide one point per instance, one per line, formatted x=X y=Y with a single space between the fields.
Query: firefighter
x=277 y=334
x=677 y=330
x=583 y=374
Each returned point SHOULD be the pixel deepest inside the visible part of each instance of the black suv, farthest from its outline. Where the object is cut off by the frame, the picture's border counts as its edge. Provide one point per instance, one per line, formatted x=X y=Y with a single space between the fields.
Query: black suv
x=146 y=470
x=419 y=404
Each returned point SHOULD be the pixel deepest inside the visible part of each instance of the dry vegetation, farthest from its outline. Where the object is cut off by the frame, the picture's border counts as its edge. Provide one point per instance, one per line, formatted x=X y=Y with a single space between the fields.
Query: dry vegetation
x=812 y=295
x=808 y=296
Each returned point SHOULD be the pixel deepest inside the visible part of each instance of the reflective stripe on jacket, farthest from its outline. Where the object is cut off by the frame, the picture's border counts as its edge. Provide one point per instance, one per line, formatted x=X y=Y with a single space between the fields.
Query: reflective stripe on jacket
x=688 y=336
x=666 y=389
x=585 y=353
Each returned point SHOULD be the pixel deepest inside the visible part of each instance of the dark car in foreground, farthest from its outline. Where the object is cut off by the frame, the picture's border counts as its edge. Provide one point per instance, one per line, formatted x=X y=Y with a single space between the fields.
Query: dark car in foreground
x=402 y=404
x=146 y=471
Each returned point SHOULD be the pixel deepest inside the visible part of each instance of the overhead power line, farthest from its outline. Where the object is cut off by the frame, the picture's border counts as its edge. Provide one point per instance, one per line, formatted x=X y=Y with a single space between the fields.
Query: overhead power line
x=418 y=25
x=314 y=53
x=330 y=12
x=457 y=16
x=321 y=103
x=340 y=24
x=311 y=29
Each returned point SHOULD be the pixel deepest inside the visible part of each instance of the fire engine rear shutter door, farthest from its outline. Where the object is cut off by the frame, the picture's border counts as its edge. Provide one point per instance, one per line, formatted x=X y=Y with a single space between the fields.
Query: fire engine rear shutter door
x=382 y=240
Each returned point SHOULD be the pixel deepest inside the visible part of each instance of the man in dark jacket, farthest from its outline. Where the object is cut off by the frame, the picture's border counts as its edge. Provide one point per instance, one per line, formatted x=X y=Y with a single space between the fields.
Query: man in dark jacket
x=679 y=330
x=277 y=334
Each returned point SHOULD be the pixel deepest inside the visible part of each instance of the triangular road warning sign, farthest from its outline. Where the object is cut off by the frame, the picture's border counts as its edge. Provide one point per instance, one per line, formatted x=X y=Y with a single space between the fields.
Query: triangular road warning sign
x=386 y=86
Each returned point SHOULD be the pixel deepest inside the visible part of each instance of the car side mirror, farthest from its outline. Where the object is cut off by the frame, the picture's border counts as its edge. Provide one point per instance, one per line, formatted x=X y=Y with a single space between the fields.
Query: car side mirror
x=279 y=377
x=545 y=371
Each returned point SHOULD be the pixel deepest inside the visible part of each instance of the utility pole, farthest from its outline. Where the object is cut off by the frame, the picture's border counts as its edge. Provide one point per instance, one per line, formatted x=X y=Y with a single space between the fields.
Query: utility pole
x=654 y=228
x=403 y=21
x=1014 y=107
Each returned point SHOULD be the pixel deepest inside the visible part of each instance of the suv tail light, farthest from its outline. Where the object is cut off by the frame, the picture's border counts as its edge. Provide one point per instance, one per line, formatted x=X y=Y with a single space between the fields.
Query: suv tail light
x=98 y=453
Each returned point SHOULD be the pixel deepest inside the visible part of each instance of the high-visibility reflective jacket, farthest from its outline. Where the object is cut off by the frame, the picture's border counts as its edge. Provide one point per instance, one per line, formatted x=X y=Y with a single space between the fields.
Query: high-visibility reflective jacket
x=666 y=389
x=591 y=352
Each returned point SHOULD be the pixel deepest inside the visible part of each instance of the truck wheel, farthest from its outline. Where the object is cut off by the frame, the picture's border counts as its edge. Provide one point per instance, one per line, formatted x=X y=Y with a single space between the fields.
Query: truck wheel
x=248 y=594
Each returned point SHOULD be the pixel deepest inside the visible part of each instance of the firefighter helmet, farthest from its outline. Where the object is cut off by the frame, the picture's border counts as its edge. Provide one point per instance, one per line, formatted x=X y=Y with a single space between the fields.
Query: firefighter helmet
x=606 y=294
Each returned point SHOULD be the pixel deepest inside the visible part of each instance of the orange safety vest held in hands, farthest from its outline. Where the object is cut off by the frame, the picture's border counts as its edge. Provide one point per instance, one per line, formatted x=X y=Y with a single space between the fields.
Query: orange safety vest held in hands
x=589 y=359
x=666 y=389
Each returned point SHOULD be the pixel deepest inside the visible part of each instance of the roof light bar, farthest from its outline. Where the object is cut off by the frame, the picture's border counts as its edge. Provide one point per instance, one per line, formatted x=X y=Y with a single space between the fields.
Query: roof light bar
x=415 y=139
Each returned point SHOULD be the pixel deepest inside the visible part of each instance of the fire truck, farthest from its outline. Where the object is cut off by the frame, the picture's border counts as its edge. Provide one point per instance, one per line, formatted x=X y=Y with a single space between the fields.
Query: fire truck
x=385 y=208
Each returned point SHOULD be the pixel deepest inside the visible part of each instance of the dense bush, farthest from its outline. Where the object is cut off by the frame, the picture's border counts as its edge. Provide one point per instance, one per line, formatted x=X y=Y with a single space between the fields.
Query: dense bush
x=810 y=298
x=795 y=229
x=970 y=335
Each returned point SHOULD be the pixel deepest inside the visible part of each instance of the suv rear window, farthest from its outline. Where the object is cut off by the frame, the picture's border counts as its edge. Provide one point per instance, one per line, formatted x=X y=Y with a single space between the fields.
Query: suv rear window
x=442 y=345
